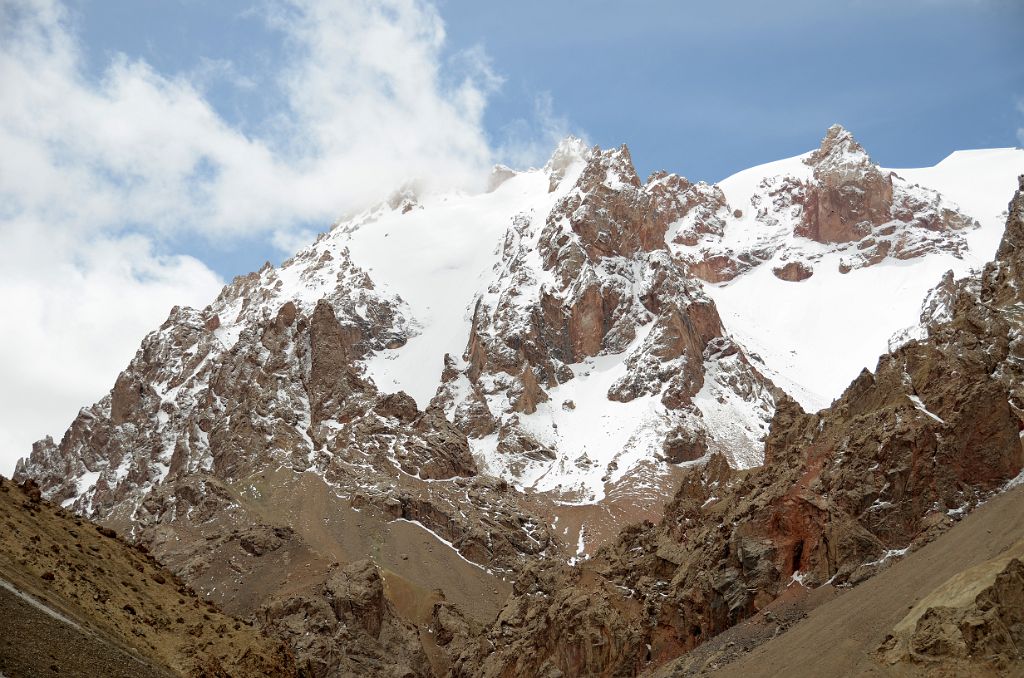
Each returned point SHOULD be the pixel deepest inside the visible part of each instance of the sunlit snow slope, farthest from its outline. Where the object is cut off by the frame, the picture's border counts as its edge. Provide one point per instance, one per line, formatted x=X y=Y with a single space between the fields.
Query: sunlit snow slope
x=817 y=335
x=437 y=257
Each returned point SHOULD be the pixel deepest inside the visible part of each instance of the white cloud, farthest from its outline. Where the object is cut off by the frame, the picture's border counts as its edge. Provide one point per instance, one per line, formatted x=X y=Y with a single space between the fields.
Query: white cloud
x=528 y=143
x=97 y=173
x=1020 y=130
x=74 y=312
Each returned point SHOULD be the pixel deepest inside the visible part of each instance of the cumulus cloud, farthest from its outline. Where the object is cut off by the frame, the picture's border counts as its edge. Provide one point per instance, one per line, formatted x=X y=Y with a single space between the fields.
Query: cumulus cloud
x=100 y=174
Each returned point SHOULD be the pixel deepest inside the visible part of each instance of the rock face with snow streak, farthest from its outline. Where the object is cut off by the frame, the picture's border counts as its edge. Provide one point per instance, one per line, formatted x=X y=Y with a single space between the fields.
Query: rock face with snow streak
x=592 y=278
x=277 y=381
x=839 y=201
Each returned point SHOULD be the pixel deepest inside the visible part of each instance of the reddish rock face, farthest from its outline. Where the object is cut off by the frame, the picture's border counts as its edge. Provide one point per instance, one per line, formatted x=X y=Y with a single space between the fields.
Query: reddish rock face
x=613 y=213
x=794 y=271
x=851 y=195
x=332 y=351
x=847 y=203
x=717 y=268
x=852 y=200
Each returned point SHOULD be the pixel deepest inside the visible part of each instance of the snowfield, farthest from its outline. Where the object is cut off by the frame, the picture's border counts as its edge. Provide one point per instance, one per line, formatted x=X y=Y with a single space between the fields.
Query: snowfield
x=816 y=335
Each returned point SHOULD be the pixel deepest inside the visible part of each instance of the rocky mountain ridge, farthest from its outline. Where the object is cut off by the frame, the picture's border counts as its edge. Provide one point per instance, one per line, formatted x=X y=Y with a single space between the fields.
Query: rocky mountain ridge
x=904 y=453
x=835 y=201
x=565 y=369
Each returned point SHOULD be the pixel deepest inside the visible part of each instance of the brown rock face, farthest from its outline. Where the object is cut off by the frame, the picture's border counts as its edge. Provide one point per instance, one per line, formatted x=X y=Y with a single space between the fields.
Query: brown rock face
x=684 y=445
x=610 y=212
x=358 y=631
x=1004 y=277
x=399 y=406
x=851 y=196
x=331 y=377
x=558 y=622
x=794 y=271
x=717 y=268
x=974 y=622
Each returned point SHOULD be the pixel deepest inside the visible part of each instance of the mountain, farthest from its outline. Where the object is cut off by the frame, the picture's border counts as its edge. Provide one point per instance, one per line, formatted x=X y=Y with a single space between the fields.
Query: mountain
x=466 y=388
x=906 y=452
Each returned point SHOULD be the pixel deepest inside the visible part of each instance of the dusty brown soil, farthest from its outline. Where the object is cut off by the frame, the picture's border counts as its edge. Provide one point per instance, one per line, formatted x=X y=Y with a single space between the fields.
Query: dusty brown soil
x=34 y=643
x=413 y=561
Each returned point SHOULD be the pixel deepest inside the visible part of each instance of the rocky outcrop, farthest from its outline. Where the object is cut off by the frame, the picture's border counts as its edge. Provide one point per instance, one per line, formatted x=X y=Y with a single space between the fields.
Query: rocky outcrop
x=560 y=621
x=850 y=195
x=346 y=626
x=974 y=621
x=794 y=271
x=837 y=202
x=1003 y=278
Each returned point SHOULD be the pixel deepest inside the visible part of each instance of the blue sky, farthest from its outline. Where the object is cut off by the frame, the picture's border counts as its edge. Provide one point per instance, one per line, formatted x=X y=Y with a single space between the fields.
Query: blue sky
x=704 y=89
x=155 y=148
x=709 y=88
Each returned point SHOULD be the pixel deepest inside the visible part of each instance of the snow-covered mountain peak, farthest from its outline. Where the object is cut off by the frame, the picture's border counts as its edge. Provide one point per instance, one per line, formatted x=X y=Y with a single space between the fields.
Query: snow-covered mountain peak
x=839 y=152
x=569 y=150
x=588 y=332
x=404 y=198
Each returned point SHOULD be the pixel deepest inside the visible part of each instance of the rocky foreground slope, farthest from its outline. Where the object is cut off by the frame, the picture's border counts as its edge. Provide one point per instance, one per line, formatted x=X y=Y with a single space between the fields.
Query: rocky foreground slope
x=931 y=613
x=75 y=600
x=560 y=375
